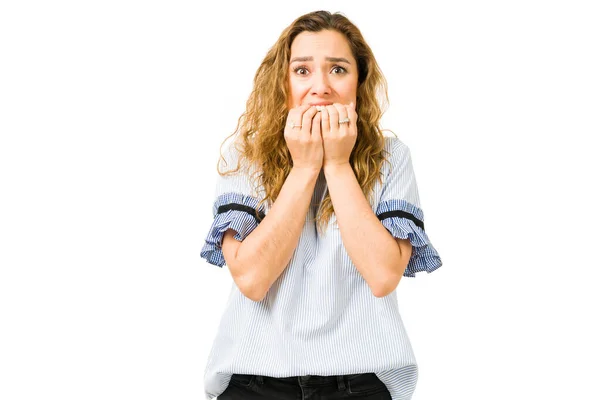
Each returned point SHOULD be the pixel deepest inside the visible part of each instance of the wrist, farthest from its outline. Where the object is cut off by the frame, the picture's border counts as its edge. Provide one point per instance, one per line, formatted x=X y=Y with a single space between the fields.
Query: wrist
x=337 y=167
x=306 y=171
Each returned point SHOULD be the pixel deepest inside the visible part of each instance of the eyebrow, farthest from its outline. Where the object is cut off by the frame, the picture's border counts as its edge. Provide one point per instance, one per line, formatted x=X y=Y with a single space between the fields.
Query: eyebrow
x=332 y=59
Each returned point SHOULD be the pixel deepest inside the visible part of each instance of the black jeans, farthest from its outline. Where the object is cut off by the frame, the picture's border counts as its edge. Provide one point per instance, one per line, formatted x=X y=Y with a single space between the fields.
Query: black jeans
x=311 y=387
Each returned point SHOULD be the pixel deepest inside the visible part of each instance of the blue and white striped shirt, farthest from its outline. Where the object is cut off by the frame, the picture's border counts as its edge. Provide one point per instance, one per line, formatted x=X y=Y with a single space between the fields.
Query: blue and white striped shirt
x=320 y=316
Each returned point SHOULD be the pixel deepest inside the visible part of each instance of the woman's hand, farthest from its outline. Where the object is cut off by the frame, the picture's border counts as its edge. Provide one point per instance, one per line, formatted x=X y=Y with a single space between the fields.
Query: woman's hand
x=338 y=139
x=302 y=135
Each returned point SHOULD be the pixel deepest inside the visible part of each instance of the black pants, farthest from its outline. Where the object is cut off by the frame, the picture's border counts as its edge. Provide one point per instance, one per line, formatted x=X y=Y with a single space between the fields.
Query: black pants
x=310 y=387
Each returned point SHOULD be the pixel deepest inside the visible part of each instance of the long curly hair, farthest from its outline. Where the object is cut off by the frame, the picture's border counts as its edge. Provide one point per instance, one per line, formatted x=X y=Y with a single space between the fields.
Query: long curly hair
x=260 y=133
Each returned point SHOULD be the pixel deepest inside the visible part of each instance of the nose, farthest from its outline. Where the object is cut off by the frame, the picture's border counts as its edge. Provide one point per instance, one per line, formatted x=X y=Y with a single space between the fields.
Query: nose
x=320 y=84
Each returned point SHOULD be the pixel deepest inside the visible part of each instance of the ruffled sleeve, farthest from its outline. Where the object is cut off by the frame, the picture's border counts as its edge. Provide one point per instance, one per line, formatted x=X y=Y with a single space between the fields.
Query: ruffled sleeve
x=234 y=208
x=400 y=211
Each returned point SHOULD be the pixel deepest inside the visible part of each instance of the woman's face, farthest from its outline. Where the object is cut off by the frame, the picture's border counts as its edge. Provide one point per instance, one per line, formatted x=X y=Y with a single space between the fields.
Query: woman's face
x=322 y=70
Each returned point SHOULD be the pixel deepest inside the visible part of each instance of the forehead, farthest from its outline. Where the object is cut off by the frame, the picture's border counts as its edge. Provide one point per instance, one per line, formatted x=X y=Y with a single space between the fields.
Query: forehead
x=326 y=43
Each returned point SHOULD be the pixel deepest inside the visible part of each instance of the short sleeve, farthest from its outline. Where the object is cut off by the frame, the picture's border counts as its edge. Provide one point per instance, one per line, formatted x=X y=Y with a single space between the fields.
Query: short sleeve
x=234 y=208
x=399 y=209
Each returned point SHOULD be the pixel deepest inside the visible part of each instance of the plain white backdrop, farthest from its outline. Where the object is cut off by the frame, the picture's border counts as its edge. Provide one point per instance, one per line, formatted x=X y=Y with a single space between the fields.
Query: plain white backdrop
x=111 y=117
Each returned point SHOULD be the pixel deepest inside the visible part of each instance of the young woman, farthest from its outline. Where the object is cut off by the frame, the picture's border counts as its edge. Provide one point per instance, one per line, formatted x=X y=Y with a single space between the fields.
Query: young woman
x=317 y=223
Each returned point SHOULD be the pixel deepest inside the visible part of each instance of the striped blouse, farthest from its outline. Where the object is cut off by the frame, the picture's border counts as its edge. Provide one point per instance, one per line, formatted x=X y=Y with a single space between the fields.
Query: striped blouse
x=320 y=316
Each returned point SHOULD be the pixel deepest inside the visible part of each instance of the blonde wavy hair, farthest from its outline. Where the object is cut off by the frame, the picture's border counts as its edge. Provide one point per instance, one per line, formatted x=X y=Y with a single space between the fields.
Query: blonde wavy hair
x=260 y=133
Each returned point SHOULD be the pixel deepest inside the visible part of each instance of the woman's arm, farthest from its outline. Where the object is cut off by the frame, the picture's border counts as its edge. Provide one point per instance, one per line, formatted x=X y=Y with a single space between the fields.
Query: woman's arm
x=257 y=261
x=377 y=255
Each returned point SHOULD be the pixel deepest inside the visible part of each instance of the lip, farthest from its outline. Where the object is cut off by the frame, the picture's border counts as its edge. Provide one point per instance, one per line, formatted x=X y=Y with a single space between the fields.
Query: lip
x=323 y=103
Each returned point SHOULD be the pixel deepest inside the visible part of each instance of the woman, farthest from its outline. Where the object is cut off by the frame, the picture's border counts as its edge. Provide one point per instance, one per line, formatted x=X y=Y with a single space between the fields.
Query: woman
x=313 y=310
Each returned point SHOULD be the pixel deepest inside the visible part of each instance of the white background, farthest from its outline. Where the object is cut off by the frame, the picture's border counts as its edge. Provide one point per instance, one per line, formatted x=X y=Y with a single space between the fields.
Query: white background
x=111 y=117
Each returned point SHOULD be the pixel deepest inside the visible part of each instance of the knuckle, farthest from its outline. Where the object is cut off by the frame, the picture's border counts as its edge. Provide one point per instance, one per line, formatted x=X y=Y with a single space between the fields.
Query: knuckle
x=308 y=115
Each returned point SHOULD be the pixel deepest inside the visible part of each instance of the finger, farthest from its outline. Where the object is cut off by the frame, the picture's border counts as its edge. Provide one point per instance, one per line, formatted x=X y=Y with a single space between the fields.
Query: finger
x=307 y=118
x=333 y=119
x=325 y=129
x=342 y=115
x=351 y=110
x=316 y=126
x=295 y=116
x=302 y=109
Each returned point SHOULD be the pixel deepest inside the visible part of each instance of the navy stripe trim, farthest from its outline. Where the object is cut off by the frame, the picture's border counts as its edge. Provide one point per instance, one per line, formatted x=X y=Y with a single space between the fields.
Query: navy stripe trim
x=241 y=207
x=402 y=214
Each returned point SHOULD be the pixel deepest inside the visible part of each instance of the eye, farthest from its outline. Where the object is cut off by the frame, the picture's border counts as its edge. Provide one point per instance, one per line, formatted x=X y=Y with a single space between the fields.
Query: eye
x=301 y=70
x=340 y=70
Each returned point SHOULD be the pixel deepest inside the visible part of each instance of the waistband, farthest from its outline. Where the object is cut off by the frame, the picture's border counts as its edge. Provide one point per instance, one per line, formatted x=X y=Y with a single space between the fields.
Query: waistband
x=312 y=380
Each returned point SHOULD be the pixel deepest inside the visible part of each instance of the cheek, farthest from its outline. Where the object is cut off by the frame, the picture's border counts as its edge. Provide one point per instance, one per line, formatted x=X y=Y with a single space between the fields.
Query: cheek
x=297 y=91
x=349 y=92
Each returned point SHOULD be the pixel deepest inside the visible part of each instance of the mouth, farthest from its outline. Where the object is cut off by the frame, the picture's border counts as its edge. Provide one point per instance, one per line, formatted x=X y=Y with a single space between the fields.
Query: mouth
x=321 y=106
